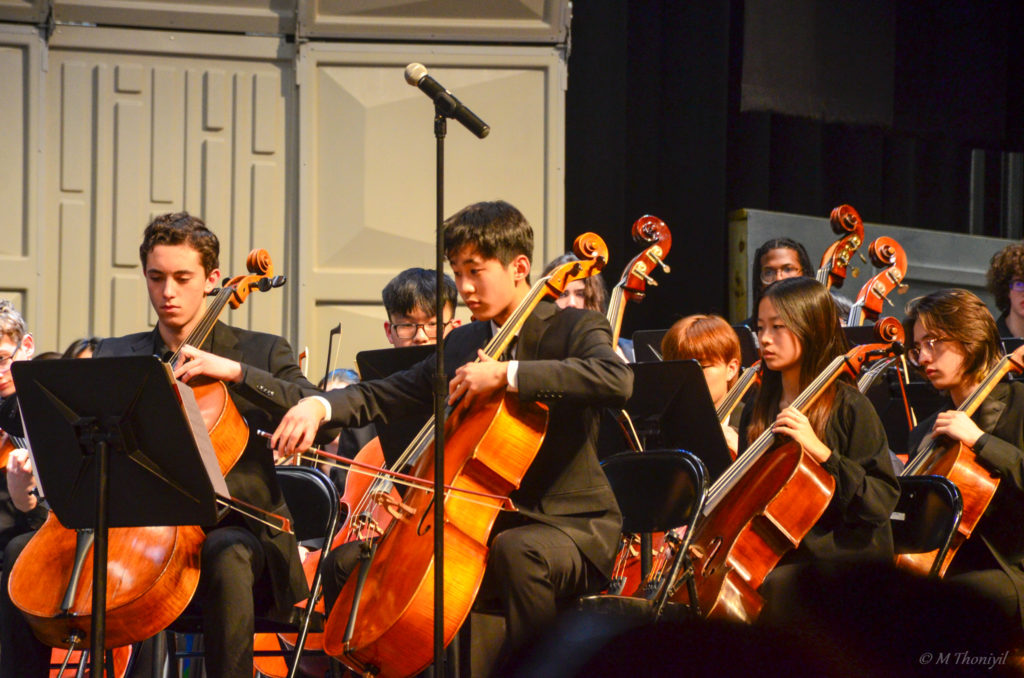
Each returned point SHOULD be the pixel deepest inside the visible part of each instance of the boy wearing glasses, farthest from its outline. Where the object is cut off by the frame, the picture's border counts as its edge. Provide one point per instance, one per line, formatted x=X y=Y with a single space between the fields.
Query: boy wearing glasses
x=409 y=302
x=955 y=345
x=21 y=514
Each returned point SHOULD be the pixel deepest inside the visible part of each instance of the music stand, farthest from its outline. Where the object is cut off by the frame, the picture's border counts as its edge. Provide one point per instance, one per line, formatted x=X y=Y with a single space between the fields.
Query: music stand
x=396 y=435
x=647 y=345
x=117 y=443
x=671 y=404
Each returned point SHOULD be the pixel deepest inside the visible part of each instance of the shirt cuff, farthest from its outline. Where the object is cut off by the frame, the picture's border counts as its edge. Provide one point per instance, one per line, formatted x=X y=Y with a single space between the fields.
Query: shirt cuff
x=326 y=403
x=512 y=376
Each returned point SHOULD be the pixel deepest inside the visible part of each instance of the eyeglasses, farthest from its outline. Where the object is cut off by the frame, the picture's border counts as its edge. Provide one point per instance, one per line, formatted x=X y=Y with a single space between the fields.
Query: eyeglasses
x=6 y=360
x=915 y=352
x=409 y=330
x=1017 y=286
x=770 y=275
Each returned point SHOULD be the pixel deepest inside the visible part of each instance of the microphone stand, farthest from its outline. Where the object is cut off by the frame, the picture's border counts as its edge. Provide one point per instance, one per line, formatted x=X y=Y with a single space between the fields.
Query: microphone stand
x=440 y=396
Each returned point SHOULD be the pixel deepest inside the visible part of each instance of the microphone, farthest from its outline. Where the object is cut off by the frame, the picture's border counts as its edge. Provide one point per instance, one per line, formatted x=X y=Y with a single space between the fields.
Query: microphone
x=445 y=101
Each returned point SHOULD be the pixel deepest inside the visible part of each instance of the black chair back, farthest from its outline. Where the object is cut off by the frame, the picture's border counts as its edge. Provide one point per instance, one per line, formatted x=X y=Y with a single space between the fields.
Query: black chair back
x=313 y=502
x=927 y=515
x=657 y=490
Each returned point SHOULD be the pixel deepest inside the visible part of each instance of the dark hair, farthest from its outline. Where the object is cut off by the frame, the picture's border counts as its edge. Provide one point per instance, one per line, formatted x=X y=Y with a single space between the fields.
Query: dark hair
x=774 y=244
x=496 y=229
x=702 y=337
x=807 y=310
x=961 y=316
x=47 y=355
x=595 y=295
x=1007 y=265
x=415 y=288
x=182 y=228
x=79 y=345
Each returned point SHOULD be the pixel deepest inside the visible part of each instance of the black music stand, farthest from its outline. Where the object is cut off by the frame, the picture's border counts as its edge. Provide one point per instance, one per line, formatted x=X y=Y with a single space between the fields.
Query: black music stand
x=116 y=444
x=647 y=345
x=671 y=408
x=396 y=435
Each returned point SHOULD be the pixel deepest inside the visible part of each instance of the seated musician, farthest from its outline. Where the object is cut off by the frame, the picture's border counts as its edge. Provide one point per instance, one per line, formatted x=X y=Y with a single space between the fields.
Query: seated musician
x=589 y=293
x=21 y=512
x=776 y=259
x=712 y=342
x=955 y=345
x=1006 y=283
x=800 y=335
x=409 y=303
x=245 y=566
x=563 y=539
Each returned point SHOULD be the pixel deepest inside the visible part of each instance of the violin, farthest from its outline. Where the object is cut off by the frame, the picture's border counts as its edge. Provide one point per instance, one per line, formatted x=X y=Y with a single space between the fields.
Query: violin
x=958 y=462
x=845 y=222
x=382 y=621
x=766 y=502
x=636 y=276
x=152 y=572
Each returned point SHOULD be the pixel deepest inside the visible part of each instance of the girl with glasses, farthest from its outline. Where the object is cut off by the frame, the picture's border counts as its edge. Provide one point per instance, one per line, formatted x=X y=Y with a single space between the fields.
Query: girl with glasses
x=955 y=345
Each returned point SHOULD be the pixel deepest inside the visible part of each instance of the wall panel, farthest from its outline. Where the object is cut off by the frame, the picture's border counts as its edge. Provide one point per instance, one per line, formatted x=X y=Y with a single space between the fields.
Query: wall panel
x=20 y=49
x=229 y=16
x=537 y=21
x=367 y=168
x=150 y=123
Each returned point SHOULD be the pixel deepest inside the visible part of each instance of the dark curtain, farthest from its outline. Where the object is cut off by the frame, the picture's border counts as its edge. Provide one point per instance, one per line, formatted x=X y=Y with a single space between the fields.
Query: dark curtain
x=890 y=100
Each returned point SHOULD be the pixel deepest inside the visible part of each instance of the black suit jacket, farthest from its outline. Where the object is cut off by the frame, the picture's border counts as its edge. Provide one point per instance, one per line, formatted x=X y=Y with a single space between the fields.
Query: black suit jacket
x=566 y=361
x=271 y=383
x=997 y=540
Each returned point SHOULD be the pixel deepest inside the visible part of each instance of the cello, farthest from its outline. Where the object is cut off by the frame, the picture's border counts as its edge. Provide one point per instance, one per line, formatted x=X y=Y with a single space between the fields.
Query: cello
x=152 y=572
x=887 y=253
x=636 y=276
x=382 y=621
x=766 y=502
x=958 y=462
x=845 y=222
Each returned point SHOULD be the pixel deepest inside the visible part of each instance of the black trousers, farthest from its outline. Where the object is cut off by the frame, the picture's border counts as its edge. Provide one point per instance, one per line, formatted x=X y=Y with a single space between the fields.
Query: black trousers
x=530 y=569
x=232 y=566
x=20 y=653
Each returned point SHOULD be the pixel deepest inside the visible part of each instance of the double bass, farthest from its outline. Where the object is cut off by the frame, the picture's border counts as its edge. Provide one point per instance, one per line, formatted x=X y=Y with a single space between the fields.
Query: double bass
x=152 y=572
x=766 y=502
x=382 y=621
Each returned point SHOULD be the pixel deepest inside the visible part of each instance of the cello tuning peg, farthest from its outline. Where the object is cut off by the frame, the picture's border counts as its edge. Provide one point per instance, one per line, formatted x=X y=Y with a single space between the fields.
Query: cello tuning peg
x=855 y=272
x=889 y=301
x=647 y=279
x=859 y=254
x=664 y=266
x=902 y=289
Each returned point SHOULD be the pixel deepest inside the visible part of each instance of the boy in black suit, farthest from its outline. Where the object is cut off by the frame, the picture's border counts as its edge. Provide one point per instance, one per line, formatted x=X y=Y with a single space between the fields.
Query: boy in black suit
x=562 y=541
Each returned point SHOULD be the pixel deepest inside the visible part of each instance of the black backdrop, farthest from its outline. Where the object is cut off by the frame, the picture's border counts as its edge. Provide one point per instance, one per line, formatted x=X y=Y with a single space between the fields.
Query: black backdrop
x=655 y=124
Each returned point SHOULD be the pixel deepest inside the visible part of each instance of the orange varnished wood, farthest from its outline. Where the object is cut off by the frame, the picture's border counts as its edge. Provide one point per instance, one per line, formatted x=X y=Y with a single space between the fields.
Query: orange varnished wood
x=6 y=447
x=395 y=622
x=121 y=657
x=152 y=573
x=958 y=462
x=977 y=486
x=765 y=515
x=846 y=222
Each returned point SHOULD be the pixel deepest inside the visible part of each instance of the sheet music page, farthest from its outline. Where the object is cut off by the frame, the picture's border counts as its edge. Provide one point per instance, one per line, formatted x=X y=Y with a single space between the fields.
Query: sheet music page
x=202 y=436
